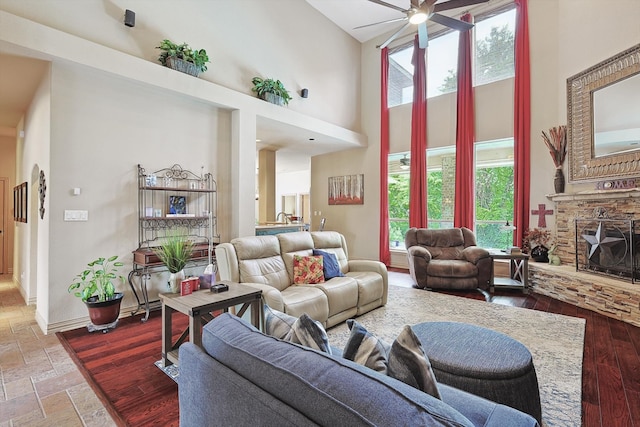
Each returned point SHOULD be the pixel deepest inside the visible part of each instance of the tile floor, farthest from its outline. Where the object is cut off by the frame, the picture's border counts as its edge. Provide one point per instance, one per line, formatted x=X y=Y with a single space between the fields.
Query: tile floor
x=41 y=386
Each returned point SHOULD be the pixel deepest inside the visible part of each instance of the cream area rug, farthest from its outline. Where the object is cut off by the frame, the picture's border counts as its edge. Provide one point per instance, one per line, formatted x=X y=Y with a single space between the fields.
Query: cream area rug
x=555 y=341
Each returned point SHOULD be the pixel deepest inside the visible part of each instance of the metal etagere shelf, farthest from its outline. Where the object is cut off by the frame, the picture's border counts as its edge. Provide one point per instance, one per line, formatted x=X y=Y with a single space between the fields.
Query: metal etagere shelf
x=172 y=200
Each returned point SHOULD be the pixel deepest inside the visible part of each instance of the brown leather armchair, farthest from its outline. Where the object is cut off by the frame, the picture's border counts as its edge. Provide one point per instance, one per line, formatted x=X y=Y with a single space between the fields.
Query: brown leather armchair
x=448 y=259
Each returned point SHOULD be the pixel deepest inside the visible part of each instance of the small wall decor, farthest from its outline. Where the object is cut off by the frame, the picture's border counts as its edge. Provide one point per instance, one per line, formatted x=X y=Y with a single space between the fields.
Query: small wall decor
x=20 y=202
x=42 y=191
x=542 y=213
x=346 y=190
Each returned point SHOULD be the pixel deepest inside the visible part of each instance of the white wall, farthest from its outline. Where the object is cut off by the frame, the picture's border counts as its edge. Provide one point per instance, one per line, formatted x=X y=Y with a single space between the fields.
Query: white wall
x=284 y=39
x=103 y=123
x=566 y=37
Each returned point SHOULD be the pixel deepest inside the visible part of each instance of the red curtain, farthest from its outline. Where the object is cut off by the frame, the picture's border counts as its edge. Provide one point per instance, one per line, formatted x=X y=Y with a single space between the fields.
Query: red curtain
x=522 y=123
x=418 y=169
x=464 y=206
x=385 y=256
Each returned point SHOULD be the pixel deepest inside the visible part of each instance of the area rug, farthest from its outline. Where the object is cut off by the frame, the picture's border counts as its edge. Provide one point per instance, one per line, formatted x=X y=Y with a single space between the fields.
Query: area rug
x=555 y=341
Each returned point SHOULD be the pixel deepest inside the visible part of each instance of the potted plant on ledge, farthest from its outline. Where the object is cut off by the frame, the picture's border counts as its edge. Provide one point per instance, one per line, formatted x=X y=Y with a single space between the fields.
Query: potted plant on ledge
x=94 y=286
x=270 y=90
x=174 y=253
x=182 y=58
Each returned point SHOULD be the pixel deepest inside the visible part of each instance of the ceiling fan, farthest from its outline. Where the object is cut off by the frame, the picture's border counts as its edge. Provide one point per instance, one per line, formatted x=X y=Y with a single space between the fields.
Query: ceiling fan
x=419 y=13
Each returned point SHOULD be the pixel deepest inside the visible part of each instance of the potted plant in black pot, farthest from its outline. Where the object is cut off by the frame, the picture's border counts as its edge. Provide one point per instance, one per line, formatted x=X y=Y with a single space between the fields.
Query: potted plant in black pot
x=535 y=243
x=95 y=287
x=175 y=252
x=182 y=58
x=271 y=90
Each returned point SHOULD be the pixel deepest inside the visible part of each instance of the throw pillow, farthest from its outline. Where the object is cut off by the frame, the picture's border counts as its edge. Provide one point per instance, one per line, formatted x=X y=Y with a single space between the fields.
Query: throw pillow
x=307 y=270
x=365 y=348
x=303 y=330
x=404 y=360
x=409 y=364
x=330 y=267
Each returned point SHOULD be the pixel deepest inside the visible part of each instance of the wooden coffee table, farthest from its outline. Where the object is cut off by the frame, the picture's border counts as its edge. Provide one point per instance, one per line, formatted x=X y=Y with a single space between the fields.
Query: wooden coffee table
x=199 y=306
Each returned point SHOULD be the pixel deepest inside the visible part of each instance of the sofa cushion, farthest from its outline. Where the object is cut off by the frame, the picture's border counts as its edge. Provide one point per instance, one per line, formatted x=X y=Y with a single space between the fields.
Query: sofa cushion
x=330 y=266
x=301 y=330
x=259 y=261
x=307 y=270
x=451 y=268
x=327 y=389
x=404 y=360
x=333 y=242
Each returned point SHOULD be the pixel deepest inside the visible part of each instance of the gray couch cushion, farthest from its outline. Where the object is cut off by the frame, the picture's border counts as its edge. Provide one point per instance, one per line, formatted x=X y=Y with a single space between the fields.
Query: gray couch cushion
x=328 y=390
x=301 y=330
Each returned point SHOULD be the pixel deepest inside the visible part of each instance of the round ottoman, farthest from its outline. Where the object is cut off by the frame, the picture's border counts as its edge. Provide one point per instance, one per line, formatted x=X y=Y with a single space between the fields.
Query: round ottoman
x=482 y=362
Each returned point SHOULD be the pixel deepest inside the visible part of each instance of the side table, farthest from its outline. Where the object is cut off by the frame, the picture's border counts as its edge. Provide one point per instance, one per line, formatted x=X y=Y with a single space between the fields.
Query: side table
x=518 y=271
x=199 y=306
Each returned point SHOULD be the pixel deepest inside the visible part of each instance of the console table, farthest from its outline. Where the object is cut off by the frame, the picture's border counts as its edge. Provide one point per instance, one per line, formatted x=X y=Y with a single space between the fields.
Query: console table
x=199 y=307
x=518 y=271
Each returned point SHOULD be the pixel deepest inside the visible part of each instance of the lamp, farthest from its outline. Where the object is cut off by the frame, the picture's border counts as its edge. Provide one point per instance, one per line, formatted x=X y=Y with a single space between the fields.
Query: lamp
x=507 y=227
x=418 y=17
x=405 y=162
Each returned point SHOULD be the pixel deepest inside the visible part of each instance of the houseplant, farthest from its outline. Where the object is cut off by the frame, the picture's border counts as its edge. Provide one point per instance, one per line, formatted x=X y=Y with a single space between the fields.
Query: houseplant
x=175 y=252
x=270 y=90
x=534 y=243
x=182 y=58
x=95 y=287
x=556 y=142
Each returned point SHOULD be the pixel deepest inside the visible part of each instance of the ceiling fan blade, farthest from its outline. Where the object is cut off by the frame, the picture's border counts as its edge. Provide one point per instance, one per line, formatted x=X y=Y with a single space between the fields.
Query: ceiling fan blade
x=454 y=4
x=423 y=39
x=455 y=24
x=394 y=35
x=382 y=22
x=392 y=6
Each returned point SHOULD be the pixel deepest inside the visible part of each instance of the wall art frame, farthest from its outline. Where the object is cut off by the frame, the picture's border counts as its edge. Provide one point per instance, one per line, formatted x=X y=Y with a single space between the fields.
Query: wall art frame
x=20 y=193
x=346 y=190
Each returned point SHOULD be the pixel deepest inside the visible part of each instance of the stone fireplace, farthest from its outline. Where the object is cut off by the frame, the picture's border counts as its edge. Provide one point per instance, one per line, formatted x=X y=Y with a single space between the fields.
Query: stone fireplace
x=592 y=285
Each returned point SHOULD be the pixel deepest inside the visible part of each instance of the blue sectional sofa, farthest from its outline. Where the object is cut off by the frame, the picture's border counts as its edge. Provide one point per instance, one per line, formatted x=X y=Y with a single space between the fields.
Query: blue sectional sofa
x=243 y=377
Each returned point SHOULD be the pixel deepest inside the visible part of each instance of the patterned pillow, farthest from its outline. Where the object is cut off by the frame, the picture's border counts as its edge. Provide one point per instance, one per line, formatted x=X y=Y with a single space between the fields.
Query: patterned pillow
x=303 y=330
x=307 y=270
x=404 y=360
x=331 y=267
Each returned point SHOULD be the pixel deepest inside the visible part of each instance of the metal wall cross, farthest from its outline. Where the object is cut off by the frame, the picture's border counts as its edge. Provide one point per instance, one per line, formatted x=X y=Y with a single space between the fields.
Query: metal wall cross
x=542 y=212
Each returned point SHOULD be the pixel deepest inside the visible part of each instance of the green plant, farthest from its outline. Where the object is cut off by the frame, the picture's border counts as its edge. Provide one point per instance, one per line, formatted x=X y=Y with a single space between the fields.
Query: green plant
x=97 y=279
x=183 y=51
x=175 y=251
x=262 y=86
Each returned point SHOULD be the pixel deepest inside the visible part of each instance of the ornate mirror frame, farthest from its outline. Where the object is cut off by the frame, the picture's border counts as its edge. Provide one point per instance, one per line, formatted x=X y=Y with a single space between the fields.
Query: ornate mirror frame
x=583 y=164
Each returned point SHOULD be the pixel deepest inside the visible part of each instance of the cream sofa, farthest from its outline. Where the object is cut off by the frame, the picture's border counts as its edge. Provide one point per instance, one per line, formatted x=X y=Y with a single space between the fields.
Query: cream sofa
x=266 y=262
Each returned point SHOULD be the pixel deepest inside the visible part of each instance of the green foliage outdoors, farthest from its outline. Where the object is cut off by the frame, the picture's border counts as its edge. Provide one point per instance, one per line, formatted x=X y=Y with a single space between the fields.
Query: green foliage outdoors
x=494 y=202
x=494 y=60
x=97 y=279
x=262 y=86
x=183 y=51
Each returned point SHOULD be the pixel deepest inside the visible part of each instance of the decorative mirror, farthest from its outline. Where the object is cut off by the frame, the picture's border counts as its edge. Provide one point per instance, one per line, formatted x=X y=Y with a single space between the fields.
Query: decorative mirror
x=603 y=119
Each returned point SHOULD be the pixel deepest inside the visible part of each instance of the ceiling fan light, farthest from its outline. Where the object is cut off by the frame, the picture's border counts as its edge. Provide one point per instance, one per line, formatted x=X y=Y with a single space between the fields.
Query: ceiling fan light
x=418 y=18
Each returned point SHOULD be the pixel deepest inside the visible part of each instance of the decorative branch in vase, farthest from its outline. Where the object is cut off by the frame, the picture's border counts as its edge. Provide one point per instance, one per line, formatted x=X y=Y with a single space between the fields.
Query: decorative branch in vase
x=556 y=142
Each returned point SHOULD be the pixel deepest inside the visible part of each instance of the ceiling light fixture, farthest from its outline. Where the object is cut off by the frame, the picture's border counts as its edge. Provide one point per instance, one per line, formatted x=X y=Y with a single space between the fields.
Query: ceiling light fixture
x=418 y=18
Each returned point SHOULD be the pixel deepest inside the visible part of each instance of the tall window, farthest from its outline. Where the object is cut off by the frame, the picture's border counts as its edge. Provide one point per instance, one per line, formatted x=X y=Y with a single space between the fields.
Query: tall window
x=493 y=59
x=494 y=192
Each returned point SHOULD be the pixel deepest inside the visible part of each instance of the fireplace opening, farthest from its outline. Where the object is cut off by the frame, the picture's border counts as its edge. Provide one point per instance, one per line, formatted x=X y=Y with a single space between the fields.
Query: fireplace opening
x=608 y=246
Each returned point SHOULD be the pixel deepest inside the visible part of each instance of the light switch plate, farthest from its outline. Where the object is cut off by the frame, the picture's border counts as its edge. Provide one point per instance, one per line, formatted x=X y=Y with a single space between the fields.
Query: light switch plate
x=75 y=215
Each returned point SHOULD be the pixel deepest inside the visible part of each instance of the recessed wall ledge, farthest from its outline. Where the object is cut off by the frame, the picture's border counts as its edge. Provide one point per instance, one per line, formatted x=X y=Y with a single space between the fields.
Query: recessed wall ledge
x=596 y=195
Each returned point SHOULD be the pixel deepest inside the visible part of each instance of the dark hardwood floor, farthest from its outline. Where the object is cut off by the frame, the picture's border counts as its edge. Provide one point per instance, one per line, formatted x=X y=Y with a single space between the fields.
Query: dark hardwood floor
x=611 y=363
